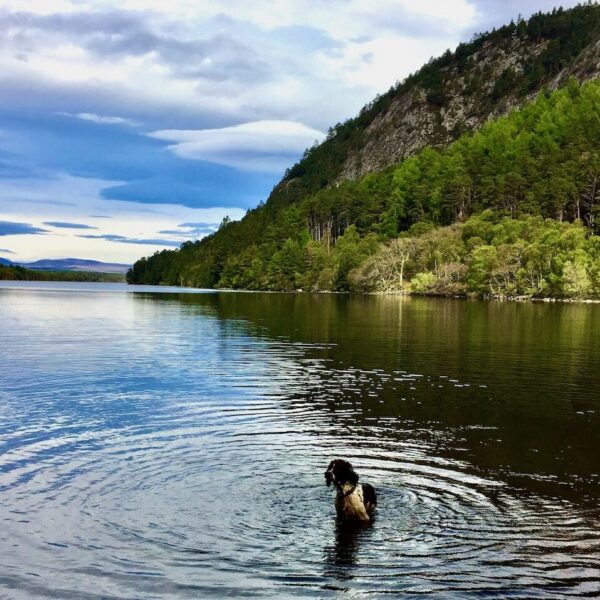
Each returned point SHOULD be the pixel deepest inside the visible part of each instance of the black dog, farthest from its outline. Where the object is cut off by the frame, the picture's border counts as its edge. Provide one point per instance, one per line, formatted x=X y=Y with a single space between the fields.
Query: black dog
x=353 y=501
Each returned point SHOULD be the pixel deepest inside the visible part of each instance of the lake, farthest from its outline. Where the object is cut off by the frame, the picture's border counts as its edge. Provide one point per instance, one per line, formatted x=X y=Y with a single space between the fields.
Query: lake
x=162 y=444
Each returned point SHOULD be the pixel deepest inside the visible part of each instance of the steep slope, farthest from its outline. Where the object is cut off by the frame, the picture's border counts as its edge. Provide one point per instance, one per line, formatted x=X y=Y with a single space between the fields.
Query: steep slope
x=452 y=95
x=457 y=92
x=492 y=80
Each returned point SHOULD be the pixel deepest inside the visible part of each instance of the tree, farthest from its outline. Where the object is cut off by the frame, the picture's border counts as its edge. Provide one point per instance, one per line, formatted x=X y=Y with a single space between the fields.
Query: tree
x=577 y=282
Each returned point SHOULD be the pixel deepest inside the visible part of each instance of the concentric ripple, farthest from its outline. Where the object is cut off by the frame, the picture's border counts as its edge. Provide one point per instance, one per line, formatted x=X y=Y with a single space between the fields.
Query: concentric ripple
x=157 y=447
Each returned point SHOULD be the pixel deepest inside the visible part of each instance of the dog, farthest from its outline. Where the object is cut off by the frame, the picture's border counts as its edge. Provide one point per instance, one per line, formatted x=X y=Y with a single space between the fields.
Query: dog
x=353 y=501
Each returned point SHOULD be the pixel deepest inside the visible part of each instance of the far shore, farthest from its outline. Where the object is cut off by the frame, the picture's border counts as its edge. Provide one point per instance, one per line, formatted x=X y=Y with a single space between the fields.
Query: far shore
x=489 y=297
x=496 y=298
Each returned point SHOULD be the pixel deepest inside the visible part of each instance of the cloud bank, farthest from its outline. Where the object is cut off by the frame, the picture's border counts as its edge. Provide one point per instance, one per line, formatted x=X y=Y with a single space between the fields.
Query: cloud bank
x=12 y=228
x=66 y=225
x=266 y=146
x=121 y=239
x=100 y=119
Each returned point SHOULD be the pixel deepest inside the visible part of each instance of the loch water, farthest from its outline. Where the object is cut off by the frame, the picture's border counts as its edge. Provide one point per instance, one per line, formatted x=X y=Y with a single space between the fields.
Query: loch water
x=160 y=443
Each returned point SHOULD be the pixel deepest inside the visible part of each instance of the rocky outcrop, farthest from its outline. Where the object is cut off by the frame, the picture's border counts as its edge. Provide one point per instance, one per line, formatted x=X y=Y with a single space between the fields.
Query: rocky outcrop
x=472 y=97
x=587 y=66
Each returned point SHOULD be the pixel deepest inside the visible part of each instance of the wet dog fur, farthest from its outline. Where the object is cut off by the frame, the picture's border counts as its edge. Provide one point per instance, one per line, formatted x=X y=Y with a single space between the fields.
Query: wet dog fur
x=353 y=501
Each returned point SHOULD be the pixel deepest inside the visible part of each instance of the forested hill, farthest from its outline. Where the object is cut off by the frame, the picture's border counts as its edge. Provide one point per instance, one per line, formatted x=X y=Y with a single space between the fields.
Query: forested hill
x=350 y=184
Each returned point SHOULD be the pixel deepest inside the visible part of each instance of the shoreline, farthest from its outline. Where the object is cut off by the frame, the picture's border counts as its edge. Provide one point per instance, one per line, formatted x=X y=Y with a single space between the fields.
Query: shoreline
x=466 y=297
x=499 y=298
x=488 y=298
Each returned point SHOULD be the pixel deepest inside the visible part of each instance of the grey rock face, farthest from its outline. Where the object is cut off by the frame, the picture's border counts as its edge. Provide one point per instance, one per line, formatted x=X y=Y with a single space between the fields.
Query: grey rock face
x=411 y=123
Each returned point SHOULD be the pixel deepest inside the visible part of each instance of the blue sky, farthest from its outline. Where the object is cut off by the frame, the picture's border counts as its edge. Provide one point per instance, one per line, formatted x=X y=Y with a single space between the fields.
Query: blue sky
x=131 y=126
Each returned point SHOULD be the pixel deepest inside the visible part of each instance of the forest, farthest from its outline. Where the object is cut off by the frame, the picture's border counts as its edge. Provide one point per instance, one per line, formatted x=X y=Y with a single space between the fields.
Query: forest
x=282 y=243
x=540 y=162
x=18 y=273
x=489 y=255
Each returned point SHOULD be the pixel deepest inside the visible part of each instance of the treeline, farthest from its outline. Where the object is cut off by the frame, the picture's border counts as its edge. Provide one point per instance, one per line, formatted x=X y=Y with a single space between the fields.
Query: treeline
x=547 y=43
x=17 y=273
x=542 y=160
x=487 y=255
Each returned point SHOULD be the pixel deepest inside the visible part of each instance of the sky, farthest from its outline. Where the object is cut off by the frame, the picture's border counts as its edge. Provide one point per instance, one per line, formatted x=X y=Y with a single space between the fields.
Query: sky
x=131 y=126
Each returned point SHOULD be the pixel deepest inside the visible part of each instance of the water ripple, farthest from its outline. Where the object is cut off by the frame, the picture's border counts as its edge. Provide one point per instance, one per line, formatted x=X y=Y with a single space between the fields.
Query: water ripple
x=163 y=452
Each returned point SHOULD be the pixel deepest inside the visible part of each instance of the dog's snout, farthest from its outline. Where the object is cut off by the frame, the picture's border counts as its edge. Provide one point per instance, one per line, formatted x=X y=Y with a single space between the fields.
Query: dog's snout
x=328 y=477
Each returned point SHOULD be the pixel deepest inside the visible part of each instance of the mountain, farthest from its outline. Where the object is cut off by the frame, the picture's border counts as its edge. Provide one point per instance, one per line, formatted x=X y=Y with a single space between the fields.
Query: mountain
x=447 y=142
x=455 y=93
x=70 y=264
x=479 y=82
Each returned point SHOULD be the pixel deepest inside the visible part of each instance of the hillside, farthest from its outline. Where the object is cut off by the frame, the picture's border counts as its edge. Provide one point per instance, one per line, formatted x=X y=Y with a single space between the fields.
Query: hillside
x=455 y=93
x=481 y=81
x=69 y=264
x=348 y=186
x=19 y=273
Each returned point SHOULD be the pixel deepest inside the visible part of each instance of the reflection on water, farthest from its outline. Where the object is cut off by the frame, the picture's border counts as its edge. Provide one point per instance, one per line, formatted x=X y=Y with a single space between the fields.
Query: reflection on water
x=344 y=551
x=173 y=445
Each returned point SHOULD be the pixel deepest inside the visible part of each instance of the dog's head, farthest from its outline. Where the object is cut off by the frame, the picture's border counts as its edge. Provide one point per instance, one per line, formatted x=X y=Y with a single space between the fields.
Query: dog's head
x=340 y=472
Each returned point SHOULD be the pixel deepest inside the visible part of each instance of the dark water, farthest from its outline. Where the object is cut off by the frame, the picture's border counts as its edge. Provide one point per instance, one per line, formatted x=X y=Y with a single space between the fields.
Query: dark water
x=173 y=445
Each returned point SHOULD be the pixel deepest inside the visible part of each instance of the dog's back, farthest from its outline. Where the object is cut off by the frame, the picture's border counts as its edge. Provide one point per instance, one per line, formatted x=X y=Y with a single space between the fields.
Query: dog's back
x=369 y=496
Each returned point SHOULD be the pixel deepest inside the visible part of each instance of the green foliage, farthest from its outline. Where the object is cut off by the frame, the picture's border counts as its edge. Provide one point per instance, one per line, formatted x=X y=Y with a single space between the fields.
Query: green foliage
x=17 y=273
x=350 y=251
x=492 y=255
x=542 y=160
x=568 y=33
x=423 y=283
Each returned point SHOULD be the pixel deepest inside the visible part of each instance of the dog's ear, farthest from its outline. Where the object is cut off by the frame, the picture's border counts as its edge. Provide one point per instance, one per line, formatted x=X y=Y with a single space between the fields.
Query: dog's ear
x=328 y=474
x=346 y=473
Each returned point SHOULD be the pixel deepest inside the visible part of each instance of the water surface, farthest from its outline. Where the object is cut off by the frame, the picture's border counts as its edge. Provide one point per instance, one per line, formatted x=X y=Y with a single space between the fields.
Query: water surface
x=161 y=444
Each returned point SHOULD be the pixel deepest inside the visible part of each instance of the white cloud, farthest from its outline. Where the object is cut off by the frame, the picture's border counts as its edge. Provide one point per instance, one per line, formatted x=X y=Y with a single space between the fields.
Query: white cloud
x=40 y=7
x=224 y=61
x=257 y=146
x=100 y=119
x=343 y=19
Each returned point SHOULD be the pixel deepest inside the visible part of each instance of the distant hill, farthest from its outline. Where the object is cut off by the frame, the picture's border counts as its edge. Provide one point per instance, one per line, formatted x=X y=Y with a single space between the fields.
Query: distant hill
x=19 y=273
x=501 y=123
x=70 y=264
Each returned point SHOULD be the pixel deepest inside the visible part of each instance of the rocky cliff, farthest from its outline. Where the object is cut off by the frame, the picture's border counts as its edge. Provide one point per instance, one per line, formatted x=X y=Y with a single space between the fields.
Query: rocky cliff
x=411 y=122
x=455 y=93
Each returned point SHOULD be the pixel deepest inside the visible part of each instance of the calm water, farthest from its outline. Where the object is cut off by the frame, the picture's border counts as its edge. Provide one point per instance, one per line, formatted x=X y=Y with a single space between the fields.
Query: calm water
x=172 y=445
